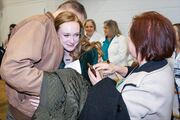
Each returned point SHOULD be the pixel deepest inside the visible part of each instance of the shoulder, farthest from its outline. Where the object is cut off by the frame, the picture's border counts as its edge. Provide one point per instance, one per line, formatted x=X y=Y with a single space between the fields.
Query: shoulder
x=151 y=82
x=42 y=20
x=121 y=41
x=155 y=76
x=122 y=38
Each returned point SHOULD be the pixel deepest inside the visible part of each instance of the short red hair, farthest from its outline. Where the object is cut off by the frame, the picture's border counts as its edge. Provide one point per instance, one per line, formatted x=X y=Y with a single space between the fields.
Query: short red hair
x=153 y=36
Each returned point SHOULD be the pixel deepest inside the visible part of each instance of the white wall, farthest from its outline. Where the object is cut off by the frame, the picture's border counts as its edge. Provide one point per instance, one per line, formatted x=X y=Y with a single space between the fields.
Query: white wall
x=13 y=11
x=123 y=10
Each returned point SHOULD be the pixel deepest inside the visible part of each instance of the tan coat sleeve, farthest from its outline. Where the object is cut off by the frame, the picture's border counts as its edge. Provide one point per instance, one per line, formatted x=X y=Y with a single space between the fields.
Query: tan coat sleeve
x=23 y=52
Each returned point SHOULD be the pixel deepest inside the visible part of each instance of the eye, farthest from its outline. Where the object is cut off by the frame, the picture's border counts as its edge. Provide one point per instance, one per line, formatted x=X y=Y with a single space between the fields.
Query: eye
x=66 y=35
x=77 y=35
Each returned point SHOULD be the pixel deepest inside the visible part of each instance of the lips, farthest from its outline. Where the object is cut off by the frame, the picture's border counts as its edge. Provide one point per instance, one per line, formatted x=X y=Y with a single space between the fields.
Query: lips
x=70 y=45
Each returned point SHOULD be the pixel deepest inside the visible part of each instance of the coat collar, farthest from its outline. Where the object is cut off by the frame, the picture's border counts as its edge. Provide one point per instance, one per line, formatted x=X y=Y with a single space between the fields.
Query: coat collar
x=151 y=66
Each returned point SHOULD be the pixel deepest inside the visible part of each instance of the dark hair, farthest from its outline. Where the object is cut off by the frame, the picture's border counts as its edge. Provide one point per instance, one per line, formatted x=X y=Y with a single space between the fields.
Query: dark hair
x=113 y=26
x=92 y=21
x=153 y=36
x=12 y=25
x=75 y=5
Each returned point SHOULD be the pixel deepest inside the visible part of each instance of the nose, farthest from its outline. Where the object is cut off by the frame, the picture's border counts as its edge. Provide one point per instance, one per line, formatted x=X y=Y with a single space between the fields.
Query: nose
x=71 y=40
x=74 y=39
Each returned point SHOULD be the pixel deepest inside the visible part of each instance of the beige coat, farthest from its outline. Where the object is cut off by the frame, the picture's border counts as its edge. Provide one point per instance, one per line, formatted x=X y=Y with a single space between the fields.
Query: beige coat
x=33 y=48
x=148 y=93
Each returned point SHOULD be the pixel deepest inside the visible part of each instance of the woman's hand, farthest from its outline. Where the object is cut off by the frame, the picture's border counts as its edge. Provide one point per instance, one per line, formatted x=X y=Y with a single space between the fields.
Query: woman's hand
x=94 y=78
x=35 y=102
x=107 y=69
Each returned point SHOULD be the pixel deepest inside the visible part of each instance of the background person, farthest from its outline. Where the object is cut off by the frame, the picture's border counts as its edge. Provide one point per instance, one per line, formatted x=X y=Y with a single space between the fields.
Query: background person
x=114 y=45
x=90 y=30
x=11 y=27
x=176 y=67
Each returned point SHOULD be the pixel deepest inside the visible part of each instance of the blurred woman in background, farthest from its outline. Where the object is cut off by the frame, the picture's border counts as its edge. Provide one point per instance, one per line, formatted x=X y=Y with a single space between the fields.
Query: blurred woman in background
x=90 y=30
x=114 y=45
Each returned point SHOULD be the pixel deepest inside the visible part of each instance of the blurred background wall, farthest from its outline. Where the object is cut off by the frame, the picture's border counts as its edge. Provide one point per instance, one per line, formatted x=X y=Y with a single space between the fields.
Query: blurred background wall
x=123 y=10
x=13 y=11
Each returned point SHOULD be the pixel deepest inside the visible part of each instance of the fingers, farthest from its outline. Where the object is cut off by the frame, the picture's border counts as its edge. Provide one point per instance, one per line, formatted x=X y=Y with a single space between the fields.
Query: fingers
x=34 y=105
x=105 y=67
x=107 y=72
x=36 y=97
x=101 y=66
x=35 y=102
x=92 y=77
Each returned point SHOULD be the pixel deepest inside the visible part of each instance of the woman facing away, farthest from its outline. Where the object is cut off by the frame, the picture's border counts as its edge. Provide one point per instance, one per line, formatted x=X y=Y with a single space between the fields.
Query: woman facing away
x=148 y=89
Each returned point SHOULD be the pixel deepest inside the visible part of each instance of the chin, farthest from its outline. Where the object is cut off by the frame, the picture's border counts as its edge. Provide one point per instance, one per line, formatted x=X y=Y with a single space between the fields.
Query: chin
x=70 y=50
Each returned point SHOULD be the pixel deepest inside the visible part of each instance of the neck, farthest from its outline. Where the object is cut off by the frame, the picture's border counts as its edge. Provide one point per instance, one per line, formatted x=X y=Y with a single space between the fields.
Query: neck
x=109 y=37
x=67 y=57
x=66 y=53
x=142 y=62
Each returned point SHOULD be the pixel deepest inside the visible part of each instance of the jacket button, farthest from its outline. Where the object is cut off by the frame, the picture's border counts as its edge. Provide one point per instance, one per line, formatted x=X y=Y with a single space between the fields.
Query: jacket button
x=119 y=108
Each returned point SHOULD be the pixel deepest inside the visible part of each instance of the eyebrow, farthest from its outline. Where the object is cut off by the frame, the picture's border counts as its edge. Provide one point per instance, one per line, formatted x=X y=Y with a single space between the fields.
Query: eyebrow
x=70 y=33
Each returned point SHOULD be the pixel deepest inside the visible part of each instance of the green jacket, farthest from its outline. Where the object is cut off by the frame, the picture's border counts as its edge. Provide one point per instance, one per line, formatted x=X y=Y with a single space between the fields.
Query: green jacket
x=62 y=97
x=90 y=57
